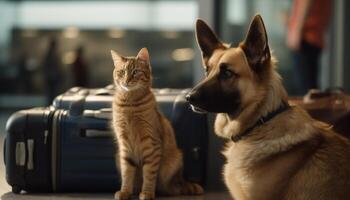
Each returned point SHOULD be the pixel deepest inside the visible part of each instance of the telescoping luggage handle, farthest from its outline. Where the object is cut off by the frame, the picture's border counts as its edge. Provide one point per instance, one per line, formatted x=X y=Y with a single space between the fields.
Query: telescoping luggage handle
x=77 y=109
x=105 y=114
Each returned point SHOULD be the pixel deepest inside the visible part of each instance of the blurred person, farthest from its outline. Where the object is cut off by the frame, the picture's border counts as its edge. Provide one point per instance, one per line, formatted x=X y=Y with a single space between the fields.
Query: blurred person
x=79 y=69
x=52 y=71
x=307 y=26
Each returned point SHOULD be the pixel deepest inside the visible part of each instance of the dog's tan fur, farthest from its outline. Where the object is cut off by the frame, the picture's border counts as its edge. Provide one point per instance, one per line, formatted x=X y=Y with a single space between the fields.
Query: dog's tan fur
x=292 y=156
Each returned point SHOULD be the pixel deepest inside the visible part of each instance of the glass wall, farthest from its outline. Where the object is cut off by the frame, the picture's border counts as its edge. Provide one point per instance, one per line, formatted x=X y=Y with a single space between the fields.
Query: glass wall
x=234 y=19
x=47 y=46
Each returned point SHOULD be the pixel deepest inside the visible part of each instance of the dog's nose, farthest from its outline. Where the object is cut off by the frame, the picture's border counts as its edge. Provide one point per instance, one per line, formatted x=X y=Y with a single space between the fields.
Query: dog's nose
x=188 y=97
x=192 y=96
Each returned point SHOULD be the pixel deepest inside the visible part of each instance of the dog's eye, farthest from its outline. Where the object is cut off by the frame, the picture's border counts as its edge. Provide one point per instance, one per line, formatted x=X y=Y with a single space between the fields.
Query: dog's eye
x=226 y=74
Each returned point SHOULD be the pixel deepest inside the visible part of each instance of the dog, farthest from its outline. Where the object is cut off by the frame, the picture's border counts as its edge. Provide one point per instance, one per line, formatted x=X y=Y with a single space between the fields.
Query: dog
x=275 y=150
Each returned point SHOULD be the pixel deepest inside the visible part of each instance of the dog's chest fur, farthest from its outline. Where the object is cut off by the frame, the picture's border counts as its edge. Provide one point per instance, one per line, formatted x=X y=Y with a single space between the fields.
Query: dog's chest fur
x=260 y=180
x=261 y=169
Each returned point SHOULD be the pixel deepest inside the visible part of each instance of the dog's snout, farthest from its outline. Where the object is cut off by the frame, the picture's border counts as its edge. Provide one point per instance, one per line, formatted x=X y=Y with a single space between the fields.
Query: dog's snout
x=188 y=97
x=192 y=97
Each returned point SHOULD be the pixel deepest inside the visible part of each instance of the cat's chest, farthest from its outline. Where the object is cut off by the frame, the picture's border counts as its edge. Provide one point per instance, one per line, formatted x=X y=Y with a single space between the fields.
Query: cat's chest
x=135 y=119
x=134 y=127
x=133 y=132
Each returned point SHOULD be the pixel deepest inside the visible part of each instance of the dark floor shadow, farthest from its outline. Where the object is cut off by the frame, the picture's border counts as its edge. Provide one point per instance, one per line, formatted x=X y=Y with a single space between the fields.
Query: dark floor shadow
x=91 y=196
x=57 y=196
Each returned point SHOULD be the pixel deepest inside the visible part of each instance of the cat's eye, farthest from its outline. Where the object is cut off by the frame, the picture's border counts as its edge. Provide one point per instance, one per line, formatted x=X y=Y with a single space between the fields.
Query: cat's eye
x=121 y=73
x=136 y=72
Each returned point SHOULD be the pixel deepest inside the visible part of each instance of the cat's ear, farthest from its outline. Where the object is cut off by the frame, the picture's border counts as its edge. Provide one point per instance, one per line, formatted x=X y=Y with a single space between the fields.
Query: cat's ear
x=143 y=55
x=116 y=57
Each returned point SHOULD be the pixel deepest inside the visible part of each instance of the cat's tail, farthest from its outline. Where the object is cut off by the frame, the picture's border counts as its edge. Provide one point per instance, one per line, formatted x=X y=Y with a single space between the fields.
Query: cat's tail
x=189 y=188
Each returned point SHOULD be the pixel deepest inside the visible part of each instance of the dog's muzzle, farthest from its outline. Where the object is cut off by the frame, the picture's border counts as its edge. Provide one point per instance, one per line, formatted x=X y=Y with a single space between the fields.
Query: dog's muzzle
x=193 y=98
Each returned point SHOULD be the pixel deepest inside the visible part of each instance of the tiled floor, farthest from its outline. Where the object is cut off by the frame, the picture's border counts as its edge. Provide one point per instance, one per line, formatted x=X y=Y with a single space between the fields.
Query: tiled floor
x=5 y=189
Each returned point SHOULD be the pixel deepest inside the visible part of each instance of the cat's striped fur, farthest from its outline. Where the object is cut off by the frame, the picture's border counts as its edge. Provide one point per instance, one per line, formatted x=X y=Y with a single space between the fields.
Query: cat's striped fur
x=149 y=158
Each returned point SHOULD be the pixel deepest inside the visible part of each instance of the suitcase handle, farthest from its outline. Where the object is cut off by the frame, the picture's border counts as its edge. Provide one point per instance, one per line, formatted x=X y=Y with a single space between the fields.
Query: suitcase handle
x=96 y=133
x=104 y=113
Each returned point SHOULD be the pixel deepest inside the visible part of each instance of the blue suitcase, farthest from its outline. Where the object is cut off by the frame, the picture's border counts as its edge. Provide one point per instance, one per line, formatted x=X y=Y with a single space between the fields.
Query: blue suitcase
x=69 y=147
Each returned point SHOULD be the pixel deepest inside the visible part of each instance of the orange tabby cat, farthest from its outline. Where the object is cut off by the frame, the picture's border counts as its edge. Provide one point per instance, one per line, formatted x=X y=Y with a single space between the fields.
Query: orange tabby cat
x=149 y=158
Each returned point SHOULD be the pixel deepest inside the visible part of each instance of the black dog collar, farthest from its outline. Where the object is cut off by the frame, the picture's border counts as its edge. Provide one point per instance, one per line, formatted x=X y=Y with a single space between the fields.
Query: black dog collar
x=283 y=107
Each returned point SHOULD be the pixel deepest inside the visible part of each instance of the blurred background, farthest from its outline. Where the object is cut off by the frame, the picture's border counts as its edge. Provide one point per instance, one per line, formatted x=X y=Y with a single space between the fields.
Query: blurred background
x=49 y=46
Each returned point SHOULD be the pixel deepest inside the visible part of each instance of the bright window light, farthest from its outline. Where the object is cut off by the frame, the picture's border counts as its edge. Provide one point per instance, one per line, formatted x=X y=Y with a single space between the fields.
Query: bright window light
x=184 y=54
x=155 y=15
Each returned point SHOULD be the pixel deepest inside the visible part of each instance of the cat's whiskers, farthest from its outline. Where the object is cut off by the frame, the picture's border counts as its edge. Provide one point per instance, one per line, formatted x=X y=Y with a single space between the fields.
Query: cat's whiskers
x=129 y=88
x=124 y=87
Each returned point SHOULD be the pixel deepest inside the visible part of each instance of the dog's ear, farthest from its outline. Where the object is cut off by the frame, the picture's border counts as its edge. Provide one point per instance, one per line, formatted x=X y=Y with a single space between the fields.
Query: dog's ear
x=206 y=39
x=255 y=45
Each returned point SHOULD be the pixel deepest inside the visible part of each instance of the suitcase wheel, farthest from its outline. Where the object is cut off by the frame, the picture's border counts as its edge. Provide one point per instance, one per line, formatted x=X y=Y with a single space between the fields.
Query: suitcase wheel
x=16 y=189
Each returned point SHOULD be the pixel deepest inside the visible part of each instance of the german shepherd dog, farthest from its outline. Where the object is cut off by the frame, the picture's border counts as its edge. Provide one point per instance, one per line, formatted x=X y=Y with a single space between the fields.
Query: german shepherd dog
x=277 y=150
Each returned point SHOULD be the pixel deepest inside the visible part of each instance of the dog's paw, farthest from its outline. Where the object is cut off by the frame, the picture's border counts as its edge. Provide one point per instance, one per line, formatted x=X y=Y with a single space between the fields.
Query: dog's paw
x=146 y=195
x=121 y=195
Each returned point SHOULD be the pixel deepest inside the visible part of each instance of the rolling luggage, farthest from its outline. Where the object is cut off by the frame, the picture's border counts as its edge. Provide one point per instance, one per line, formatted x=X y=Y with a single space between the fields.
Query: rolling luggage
x=94 y=98
x=69 y=147
x=102 y=97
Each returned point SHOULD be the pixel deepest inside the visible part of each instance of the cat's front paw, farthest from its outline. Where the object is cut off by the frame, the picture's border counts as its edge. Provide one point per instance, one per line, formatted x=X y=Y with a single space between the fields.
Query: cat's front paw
x=121 y=195
x=146 y=195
